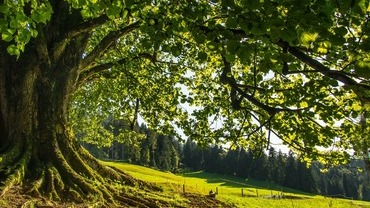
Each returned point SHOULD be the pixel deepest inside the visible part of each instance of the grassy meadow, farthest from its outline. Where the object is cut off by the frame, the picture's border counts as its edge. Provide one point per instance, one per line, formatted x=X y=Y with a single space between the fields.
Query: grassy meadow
x=232 y=190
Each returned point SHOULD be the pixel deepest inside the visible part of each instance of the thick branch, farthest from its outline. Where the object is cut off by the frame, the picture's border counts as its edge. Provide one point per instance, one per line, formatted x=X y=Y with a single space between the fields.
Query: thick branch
x=105 y=44
x=227 y=78
x=42 y=48
x=319 y=67
x=75 y=31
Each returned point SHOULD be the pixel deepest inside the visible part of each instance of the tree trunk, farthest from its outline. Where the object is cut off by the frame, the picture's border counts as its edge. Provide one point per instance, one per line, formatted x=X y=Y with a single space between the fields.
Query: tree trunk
x=37 y=149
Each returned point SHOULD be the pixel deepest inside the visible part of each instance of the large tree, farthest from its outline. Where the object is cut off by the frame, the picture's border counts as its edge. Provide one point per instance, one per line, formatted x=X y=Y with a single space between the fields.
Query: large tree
x=250 y=69
x=48 y=50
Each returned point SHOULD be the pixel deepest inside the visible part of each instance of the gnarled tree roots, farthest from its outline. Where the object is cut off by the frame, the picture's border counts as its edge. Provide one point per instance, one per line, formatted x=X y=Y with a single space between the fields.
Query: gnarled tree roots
x=67 y=173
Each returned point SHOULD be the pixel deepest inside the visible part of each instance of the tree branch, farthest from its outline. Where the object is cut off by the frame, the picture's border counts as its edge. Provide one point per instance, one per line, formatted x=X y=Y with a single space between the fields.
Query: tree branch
x=296 y=52
x=227 y=78
x=75 y=31
x=319 y=67
x=87 y=74
x=41 y=47
x=104 y=44
x=268 y=121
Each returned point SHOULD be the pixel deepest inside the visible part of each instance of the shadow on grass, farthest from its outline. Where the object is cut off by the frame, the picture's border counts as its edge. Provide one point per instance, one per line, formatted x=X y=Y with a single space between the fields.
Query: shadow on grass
x=236 y=182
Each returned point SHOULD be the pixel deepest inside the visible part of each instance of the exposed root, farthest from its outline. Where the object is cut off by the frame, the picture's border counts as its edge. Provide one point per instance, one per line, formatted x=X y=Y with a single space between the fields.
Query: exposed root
x=30 y=203
x=111 y=173
x=55 y=184
x=69 y=174
x=12 y=154
x=37 y=184
x=15 y=174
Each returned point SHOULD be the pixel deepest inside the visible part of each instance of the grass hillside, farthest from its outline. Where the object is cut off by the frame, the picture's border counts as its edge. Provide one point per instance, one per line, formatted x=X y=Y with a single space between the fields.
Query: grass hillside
x=230 y=189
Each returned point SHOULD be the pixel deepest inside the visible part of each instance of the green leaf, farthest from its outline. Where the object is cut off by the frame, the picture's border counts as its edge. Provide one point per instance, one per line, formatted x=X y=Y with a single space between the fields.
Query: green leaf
x=303 y=104
x=33 y=33
x=212 y=46
x=4 y=9
x=13 y=50
x=362 y=68
x=356 y=107
x=42 y=14
x=14 y=23
x=232 y=46
x=244 y=54
x=202 y=56
x=7 y=37
x=230 y=57
x=3 y=25
x=258 y=29
x=232 y=22
x=340 y=31
x=176 y=51
x=289 y=35
x=228 y=3
x=199 y=38
x=86 y=13
x=308 y=37
x=360 y=7
x=113 y=12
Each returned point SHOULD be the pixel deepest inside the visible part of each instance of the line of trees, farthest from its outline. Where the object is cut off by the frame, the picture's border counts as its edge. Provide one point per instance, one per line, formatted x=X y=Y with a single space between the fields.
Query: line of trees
x=281 y=169
x=168 y=154
x=154 y=150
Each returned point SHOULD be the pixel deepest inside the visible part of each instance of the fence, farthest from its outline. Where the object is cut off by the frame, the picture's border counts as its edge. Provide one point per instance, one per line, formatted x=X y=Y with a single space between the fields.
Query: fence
x=184 y=188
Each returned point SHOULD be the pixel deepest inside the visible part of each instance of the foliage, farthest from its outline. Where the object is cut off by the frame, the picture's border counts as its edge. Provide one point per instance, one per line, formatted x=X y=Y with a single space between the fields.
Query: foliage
x=249 y=76
x=250 y=69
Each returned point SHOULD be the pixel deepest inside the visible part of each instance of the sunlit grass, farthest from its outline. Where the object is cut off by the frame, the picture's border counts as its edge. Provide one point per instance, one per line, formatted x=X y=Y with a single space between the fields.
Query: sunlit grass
x=230 y=189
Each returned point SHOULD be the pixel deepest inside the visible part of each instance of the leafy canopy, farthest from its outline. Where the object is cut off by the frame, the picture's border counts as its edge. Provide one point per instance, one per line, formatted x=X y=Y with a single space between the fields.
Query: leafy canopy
x=249 y=70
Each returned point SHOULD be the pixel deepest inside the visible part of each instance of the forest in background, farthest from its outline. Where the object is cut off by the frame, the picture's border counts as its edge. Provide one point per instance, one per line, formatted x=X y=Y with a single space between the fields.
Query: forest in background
x=169 y=154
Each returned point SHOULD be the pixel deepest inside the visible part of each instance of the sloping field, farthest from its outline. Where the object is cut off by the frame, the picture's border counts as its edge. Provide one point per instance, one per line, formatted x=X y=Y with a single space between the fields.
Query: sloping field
x=232 y=190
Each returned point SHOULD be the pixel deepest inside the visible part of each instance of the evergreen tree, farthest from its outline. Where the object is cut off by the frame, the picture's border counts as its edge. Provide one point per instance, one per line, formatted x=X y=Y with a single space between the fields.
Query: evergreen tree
x=213 y=159
x=319 y=178
x=335 y=182
x=260 y=167
x=291 y=177
x=350 y=185
x=175 y=158
x=188 y=152
x=163 y=153
x=272 y=167
x=145 y=155
x=305 y=179
x=230 y=162
x=243 y=164
x=280 y=168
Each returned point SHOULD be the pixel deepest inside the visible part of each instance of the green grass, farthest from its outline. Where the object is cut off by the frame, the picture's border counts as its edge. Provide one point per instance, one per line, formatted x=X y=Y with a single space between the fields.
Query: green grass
x=230 y=188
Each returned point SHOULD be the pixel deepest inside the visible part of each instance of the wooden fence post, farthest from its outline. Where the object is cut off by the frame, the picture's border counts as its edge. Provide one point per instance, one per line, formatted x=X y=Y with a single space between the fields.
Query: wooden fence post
x=257 y=192
x=242 y=192
x=183 y=188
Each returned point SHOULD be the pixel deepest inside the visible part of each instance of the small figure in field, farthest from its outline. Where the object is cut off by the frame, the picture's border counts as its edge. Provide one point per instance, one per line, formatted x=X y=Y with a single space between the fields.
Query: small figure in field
x=212 y=194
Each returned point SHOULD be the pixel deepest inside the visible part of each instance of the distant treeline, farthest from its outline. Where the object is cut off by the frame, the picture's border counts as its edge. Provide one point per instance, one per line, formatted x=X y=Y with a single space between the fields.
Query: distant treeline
x=168 y=154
